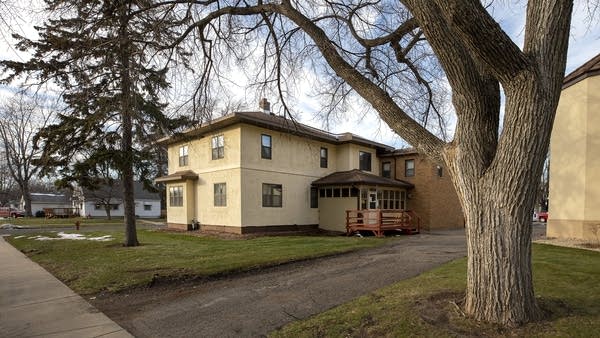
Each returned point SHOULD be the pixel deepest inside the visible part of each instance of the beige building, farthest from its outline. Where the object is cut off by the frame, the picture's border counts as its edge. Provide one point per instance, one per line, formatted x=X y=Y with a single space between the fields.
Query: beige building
x=574 y=202
x=254 y=171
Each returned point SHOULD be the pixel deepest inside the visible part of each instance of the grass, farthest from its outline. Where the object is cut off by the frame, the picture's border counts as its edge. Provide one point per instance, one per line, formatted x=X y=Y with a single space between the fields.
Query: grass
x=43 y=222
x=566 y=281
x=90 y=267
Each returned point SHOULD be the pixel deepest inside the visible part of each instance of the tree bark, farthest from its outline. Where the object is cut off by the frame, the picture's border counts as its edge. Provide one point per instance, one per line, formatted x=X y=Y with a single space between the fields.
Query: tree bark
x=127 y=131
x=27 y=198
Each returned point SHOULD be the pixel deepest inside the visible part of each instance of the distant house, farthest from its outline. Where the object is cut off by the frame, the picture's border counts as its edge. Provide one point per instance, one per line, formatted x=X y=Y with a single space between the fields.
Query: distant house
x=254 y=172
x=41 y=201
x=574 y=200
x=94 y=203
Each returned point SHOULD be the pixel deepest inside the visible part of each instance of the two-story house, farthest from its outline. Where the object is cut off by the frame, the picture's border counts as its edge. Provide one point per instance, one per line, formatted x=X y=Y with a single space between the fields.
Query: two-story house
x=254 y=172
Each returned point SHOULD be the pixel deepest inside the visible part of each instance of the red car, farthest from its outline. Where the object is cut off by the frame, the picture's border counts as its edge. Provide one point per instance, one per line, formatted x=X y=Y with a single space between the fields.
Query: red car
x=11 y=212
x=542 y=216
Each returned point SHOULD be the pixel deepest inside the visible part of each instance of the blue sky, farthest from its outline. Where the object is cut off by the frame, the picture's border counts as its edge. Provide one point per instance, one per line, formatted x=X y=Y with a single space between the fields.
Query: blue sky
x=583 y=45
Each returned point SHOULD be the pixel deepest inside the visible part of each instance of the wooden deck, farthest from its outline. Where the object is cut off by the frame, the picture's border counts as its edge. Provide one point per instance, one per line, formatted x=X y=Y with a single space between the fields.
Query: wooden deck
x=380 y=220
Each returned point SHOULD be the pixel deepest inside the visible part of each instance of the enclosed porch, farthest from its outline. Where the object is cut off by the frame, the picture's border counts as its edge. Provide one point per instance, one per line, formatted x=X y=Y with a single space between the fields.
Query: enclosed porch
x=355 y=199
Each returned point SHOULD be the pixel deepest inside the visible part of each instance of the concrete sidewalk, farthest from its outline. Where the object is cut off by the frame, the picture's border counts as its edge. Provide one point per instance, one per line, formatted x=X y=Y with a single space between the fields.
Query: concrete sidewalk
x=34 y=303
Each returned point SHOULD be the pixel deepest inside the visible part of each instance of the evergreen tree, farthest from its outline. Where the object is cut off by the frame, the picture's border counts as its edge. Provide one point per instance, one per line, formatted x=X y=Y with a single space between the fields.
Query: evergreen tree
x=110 y=61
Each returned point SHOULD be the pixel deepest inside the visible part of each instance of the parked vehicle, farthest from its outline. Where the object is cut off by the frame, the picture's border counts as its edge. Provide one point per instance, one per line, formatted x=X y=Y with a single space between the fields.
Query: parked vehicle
x=542 y=216
x=11 y=212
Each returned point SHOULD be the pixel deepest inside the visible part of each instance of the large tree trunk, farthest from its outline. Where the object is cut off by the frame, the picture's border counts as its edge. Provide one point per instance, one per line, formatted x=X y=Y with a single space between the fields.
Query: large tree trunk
x=127 y=152
x=107 y=210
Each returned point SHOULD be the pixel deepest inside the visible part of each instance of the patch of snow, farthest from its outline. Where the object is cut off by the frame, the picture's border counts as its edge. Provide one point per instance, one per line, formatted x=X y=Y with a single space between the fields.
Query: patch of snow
x=11 y=226
x=19 y=237
x=63 y=235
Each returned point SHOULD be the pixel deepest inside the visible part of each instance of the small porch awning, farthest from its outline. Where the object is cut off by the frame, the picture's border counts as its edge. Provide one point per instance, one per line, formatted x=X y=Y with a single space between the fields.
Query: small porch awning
x=177 y=176
x=359 y=177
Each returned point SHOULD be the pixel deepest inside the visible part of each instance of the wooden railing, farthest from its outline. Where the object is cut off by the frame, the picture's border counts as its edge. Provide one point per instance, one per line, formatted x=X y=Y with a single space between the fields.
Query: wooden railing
x=380 y=220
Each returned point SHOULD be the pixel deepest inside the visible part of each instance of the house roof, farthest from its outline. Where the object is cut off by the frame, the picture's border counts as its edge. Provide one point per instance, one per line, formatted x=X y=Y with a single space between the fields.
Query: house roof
x=116 y=191
x=355 y=176
x=50 y=198
x=177 y=176
x=590 y=68
x=398 y=152
x=273 y=122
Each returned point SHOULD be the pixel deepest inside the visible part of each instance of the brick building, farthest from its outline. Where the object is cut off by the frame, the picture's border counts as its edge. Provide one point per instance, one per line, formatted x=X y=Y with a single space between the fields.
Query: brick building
x=433 y=198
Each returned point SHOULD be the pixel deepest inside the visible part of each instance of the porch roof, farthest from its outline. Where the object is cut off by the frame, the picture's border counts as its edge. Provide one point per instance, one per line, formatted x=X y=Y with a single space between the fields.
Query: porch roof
x=355 y=176
x=177 y=176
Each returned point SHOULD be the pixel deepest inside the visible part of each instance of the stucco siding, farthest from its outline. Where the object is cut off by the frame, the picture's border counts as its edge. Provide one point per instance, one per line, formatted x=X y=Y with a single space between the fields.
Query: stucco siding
x=295 y=209
x=332 y=214
x=206 y=211
x=568 y=155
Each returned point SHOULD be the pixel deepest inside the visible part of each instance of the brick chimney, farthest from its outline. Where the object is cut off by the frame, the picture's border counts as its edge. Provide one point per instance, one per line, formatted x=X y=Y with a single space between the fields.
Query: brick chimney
x=265 y=105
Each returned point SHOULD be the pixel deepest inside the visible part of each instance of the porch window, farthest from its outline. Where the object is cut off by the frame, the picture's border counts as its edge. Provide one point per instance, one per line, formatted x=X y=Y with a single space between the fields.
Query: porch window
x=176 y=196
x=265 y=146
x=364 y=160
x=392 y=199
x=386 y=169
x=272 y=195
x=409 y=168
x=218 y=147
x=183 y=156
x=220 y=194
x=323 y=157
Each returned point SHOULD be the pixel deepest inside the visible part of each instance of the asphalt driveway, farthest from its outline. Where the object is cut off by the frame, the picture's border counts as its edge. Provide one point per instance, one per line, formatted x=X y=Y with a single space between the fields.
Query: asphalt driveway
x=257 y=303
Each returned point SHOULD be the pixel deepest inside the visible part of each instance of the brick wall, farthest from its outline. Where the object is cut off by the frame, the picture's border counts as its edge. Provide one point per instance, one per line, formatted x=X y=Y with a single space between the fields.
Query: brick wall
x=434 y=198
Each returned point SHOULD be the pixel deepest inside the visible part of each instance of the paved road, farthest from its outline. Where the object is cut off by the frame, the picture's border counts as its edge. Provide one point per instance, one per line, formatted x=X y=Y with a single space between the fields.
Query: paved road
x=255 y=304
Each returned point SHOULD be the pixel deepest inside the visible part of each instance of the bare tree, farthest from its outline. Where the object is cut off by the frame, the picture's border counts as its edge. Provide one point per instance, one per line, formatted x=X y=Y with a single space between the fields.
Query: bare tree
x=20 y=119
x=389 y=53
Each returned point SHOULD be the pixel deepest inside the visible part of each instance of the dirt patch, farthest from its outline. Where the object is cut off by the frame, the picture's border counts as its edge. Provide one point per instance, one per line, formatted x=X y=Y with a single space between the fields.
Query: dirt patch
x=444 y=310
x=570 y=243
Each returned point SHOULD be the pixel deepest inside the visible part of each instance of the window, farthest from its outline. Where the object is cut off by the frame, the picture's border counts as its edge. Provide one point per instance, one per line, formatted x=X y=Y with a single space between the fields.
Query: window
x=220 y=193
x=409 y=168
x=114 y=206
x=100 y=206
x=440 y=171
x=265 y=146
x=391 y=199
x=364 y=161
x=147 y=207
x=323 y=157
x=314 y=197
x=217 y=144
x=176 y=196
x=271 y=195
x=386 y=169
x=183 y=156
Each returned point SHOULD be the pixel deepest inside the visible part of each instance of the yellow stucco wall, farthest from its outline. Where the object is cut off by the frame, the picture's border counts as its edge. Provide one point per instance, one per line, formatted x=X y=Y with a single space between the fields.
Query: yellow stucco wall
x=575 y=162
x=348 y=157
x=332 y=214
x=184 y=214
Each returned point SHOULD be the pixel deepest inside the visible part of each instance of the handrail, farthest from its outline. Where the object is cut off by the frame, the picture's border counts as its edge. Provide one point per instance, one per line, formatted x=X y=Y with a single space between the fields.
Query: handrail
x=380 y=220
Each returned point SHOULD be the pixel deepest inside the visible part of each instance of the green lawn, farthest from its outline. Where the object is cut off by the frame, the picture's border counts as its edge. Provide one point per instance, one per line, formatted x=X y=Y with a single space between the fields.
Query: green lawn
x=89 y=267
x=43 y=222
x=567 y=284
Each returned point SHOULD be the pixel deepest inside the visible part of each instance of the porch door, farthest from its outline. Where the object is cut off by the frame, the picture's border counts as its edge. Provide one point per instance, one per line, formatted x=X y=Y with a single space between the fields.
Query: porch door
x=372 y=203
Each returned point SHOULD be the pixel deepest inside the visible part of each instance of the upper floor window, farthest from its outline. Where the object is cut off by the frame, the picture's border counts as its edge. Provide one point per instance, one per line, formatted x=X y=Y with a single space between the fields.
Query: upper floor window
x=386 y=169
x=220 y=194
x=218 y=147
x=176 y=196
x=183 y=156
x=364 y=161
x=272 y=195
x=265 y=146
x=409 y=168
x=323 y=157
